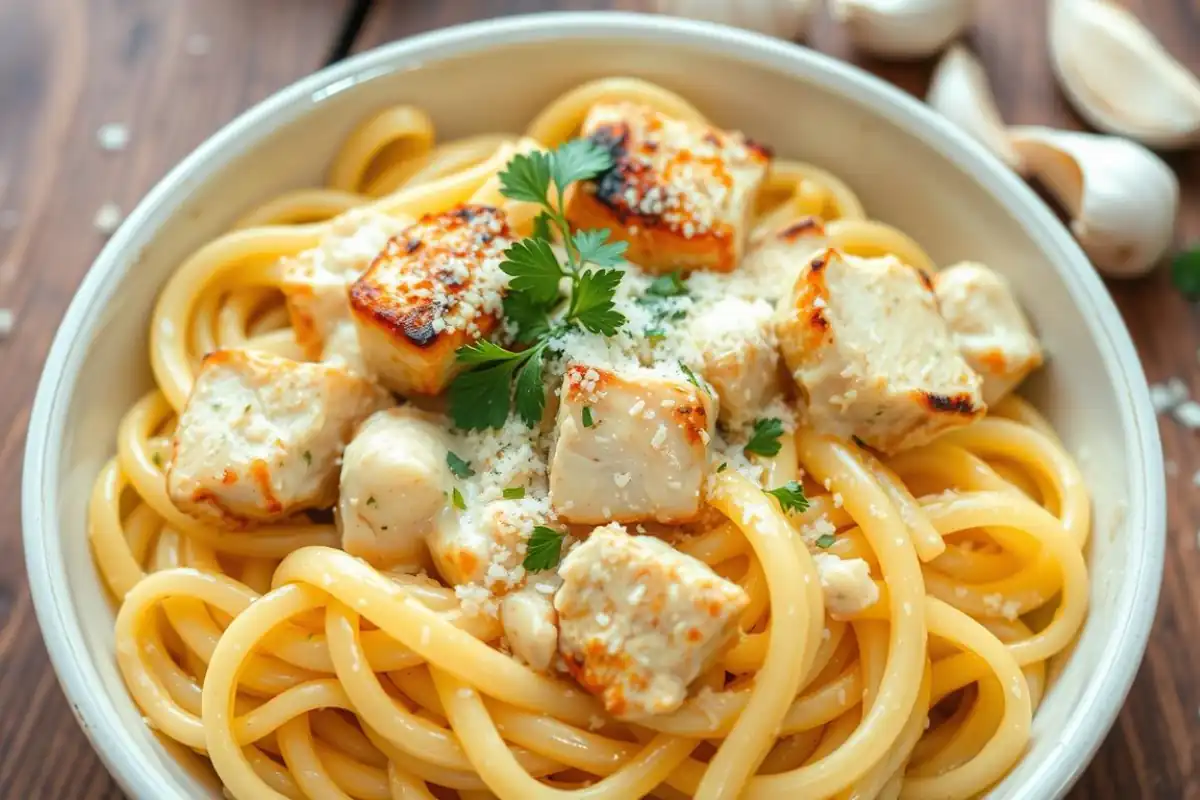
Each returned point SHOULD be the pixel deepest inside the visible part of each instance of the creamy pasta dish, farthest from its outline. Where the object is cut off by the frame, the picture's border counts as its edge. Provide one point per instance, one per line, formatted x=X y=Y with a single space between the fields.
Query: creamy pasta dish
x=617 y=458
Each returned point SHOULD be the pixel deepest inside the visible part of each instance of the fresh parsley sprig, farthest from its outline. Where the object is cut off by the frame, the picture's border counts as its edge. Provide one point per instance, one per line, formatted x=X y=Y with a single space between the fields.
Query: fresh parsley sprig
x=481 y=397
x=764 y=440
x=543 y=550
x=790 y=496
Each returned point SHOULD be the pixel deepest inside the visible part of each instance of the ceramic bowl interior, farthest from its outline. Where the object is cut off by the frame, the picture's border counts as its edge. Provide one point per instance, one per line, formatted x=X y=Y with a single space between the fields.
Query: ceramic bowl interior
x=910 y=168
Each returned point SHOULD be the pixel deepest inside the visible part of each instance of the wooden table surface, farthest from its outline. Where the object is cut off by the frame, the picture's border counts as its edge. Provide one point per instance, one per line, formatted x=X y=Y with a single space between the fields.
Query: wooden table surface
x=174 y=71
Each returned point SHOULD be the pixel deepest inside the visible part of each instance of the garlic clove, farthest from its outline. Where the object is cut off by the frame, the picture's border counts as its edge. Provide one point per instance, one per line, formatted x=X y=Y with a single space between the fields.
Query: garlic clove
x=1119 y=77
x=960 y=92
x=902 y=29
x=786 y=19
x=1122 y=199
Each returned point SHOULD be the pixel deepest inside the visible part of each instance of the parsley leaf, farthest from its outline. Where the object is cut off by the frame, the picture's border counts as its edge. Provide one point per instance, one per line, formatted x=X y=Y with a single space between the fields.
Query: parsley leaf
x=531 y=392
x=514 y=493
x=457 y=498
x=593 y=246
x=543 y=550
x=1185 y=272
x=825 y=540
x=531 y=319
x=541 y=227
x=577 y=160
x=593 y=301
x=460 y=468
x=765 y=439
x=722 y=468
x=790 y=496
x=586 y=416
x=480 y=398
x=534 y=269
x=527 y=177
x=484 y=352
x=669 y=285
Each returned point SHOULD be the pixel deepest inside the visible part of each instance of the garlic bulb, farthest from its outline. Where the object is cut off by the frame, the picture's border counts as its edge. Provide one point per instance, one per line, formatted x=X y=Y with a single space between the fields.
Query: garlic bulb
x=1119 y=77
x=959 y=91
x=787 y=19
x=902 y=28
x=1122 y=198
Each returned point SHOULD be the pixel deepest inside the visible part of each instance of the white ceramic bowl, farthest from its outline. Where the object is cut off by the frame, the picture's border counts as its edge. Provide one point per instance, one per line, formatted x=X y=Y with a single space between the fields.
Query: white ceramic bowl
x=911 y=168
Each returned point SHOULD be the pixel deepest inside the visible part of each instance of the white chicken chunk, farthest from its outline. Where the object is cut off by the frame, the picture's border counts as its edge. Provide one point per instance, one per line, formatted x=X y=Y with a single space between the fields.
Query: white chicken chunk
x=394 y=483
x=680 y=193
x=316 y=282
x=992 y=333
x=531 y=626
x=736 y=339
x=845 y=583
x=631 y=446
x=639 y=621
x=436 y=287
x=773 y=264
x=872 y=355
x=482 y=543
x=260 y=437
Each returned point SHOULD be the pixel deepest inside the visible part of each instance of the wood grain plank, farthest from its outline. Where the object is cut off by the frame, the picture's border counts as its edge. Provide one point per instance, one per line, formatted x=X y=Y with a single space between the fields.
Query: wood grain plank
x=173 y=71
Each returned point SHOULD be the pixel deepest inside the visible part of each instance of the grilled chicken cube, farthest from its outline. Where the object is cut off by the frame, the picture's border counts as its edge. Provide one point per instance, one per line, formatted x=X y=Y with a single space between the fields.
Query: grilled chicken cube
x=680 y=193
x=736 y=339
x=394 y=484
x=992 y=333
x=483 y=543
x=316 y=282
x=631 y=447
x=845 y=584
x=772 y=265
x=874 y=358
x=436 y=287
x=260 y=437
x=342 y=349
x=531 y=626
x=639 y=621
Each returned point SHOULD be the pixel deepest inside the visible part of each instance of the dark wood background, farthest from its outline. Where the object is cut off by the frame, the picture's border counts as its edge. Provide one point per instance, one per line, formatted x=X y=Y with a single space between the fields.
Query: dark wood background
x=70 y=66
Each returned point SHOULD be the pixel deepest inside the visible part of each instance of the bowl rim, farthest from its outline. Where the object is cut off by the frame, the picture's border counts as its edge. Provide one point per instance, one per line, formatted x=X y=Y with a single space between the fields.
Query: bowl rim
x=1140 y=582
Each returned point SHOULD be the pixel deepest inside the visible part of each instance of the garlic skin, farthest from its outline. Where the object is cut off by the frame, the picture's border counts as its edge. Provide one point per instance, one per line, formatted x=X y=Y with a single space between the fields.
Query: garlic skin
x=960 y=92
x=786 y=19
x=1118 y=76
x=1122 y=198
x=902 y=29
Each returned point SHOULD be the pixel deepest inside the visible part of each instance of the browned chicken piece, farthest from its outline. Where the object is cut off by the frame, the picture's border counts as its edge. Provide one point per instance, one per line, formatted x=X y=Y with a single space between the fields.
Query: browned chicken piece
x=436 y=287
x=681 y=194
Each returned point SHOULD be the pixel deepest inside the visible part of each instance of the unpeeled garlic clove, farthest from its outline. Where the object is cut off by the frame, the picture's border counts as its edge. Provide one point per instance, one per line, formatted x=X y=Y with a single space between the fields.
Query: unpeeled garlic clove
x=1119 y=77
x=1122 y=198
x=902 y=28
x=787 y=19
x=959 y=91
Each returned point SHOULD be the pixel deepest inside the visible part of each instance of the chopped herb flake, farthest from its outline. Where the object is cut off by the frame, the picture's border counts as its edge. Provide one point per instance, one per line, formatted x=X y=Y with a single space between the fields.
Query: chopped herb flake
x=544 y=549
x=460 y=468
x=790 y=496
x=764 y=441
